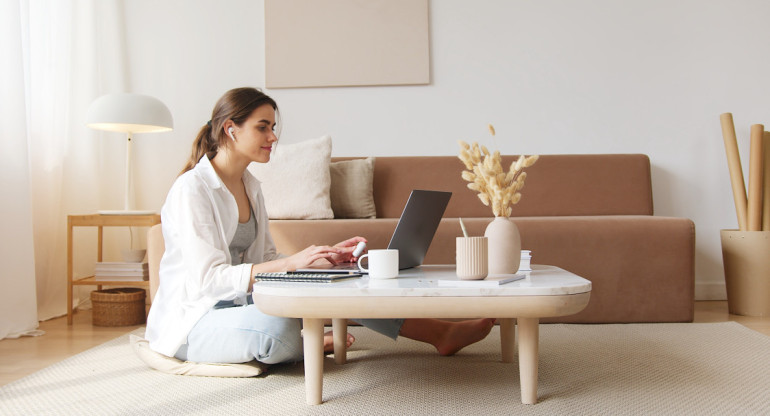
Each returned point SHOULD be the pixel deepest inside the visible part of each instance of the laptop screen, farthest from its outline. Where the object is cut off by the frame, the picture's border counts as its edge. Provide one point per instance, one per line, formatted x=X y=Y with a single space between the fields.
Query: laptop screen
x=417 y=226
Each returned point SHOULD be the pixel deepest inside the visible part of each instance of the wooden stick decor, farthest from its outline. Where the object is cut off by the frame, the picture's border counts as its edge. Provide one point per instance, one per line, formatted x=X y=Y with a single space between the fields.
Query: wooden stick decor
x=736 y=171
x=766 y=178
x=754 y=210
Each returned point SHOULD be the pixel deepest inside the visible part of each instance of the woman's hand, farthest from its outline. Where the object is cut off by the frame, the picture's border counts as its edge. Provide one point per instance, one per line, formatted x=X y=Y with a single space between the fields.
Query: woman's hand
x=340 y=252
x=310 y=255
x=347 y=247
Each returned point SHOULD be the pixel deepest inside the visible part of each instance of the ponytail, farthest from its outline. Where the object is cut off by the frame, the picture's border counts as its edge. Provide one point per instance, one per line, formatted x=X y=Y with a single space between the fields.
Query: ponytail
x=204 y=144
x=236 y=105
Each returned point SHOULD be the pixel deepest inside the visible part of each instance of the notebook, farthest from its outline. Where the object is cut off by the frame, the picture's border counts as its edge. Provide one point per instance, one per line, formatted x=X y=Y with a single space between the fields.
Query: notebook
x=414 y=232
x=303 y=277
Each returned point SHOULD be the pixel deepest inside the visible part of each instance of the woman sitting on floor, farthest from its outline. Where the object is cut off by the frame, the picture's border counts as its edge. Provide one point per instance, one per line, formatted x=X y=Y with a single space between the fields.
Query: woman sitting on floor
x=216 y=232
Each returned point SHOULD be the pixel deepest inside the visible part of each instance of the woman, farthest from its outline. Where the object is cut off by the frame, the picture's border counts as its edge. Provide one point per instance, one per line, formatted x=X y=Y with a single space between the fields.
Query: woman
x=216 y=231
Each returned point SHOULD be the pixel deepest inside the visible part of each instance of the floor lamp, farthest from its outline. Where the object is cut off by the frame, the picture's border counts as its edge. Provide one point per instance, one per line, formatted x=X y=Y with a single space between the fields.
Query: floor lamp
x=129 y=113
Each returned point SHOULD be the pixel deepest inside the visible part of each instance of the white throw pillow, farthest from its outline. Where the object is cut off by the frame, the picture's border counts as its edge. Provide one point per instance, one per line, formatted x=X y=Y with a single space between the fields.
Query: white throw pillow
x=173 y=365
x=295 y=182
x=351 y=190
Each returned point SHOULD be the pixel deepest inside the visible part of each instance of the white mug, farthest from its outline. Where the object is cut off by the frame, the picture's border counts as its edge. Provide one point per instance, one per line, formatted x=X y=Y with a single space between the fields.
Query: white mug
x=383 y=264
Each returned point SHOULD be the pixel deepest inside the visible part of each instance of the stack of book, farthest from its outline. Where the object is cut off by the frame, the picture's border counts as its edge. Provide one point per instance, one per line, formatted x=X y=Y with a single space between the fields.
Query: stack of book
x=121 y=271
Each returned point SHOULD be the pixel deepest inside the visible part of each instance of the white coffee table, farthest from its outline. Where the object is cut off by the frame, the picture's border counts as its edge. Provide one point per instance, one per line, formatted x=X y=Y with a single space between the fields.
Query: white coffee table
x=547 y=291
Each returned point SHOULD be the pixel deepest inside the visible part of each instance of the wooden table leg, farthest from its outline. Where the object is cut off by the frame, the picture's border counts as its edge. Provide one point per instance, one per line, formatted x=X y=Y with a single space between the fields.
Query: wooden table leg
x=100 y=248
x=313 y=344
x=508 y=339
x=340 y=330
x=529 y=334
x=69 y=271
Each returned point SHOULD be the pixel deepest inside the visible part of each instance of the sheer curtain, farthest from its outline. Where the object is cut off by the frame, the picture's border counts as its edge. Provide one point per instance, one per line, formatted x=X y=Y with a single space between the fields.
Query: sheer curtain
x=18 y=310
x=71 y=51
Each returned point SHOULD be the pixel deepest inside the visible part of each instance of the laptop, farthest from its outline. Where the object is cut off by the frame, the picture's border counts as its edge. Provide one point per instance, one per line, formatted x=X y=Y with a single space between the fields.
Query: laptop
x=414 y=231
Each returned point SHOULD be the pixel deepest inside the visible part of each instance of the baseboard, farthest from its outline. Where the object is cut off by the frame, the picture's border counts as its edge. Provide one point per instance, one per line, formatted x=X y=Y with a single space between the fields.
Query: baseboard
x=710 y=291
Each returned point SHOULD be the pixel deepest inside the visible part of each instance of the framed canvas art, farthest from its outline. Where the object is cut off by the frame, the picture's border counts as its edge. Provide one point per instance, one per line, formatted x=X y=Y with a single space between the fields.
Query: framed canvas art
x=323 y=43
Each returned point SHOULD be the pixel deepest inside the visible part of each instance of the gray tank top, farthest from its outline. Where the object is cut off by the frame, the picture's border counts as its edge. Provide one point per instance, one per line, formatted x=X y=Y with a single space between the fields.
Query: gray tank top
x=245 y=235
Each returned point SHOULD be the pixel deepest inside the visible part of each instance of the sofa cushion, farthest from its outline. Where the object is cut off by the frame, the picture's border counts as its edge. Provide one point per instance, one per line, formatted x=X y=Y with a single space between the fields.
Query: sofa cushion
x=296 y=180
x=556 y=185
x=351 y=190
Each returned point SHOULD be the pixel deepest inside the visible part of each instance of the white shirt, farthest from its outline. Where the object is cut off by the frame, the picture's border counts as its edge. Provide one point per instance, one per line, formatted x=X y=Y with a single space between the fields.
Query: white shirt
x=199 y=219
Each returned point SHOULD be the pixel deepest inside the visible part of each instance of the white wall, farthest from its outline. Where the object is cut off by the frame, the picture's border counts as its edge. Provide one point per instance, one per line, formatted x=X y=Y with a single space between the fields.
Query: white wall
x=553 y=76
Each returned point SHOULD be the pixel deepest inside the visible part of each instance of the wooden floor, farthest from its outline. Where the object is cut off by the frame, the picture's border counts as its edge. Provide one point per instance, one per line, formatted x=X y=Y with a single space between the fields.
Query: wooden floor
x=25 y=355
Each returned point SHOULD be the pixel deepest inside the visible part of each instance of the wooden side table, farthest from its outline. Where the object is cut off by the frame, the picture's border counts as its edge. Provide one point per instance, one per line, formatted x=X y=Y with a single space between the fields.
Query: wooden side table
x=100 y=221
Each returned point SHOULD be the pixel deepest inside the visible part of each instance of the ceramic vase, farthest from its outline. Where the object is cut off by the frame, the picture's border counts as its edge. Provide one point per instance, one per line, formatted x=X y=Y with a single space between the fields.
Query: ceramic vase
x=504 y=246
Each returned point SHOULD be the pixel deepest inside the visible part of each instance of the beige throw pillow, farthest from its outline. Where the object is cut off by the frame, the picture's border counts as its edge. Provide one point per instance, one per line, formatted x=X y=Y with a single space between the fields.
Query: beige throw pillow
x=295 y=182
x=352 y=192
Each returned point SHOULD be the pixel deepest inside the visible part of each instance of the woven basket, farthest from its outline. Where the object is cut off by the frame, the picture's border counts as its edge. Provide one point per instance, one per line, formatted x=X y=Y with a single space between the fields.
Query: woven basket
x=118 y=307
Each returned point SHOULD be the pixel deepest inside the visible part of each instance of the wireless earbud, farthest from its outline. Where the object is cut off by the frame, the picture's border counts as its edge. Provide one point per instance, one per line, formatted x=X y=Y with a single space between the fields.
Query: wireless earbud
x=230 y=133
x=360 y=247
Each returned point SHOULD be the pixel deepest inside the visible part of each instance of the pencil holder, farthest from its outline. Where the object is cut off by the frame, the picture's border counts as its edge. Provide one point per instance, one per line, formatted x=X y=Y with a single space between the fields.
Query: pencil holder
x=471 y=258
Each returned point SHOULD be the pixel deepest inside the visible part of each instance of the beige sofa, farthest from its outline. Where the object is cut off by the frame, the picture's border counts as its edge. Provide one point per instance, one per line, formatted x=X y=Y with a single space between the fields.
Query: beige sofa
x=589 y=214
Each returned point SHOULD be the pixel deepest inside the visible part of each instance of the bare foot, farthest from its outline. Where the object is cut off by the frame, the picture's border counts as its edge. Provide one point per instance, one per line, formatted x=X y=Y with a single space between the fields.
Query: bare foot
x=461 y=334
x=329 y=342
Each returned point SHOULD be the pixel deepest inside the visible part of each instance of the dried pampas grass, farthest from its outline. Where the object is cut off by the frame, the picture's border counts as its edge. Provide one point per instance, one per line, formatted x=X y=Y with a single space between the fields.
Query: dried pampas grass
x=485 y=174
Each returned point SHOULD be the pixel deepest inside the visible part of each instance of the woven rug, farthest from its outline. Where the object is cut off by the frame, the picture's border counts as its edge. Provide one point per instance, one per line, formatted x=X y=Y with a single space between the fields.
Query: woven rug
x=697 y=369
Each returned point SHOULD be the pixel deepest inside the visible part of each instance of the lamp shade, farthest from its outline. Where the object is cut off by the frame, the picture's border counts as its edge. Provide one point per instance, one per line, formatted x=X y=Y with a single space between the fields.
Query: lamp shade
x=129 y=113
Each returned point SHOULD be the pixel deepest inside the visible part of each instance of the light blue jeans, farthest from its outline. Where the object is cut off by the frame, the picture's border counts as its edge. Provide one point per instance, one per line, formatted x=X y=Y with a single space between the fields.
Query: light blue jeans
x=239 y=334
